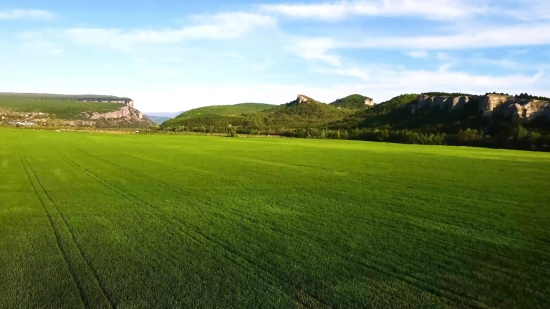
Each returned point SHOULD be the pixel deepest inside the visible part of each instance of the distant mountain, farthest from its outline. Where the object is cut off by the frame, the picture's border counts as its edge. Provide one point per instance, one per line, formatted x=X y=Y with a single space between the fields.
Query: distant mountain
x=164 y=114
x=161 y=117
x=157 y=119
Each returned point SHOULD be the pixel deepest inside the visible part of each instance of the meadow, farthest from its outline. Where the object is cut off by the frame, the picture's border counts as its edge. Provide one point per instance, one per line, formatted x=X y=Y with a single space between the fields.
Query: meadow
x=62 y=109
x=149 y=221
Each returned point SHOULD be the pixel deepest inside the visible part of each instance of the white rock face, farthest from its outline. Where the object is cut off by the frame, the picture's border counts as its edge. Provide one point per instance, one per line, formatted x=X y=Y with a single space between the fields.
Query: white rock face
x=492 y=101
x=127 y=112
x=369 y=102
x=491 y=104
x=302 y=98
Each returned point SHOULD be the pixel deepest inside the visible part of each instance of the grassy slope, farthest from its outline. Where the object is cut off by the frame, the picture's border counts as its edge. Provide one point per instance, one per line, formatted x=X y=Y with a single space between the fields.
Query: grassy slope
x=61 y=109
x=183 y=221
x=227 y=110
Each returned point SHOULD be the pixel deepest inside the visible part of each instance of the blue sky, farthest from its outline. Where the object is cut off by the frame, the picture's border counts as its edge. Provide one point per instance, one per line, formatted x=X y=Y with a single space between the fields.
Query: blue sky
x=176 y=55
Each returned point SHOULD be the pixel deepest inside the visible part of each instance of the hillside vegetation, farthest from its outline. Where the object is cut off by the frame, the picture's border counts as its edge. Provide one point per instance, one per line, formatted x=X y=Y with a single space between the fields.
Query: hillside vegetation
x=150 y=221
x=354 y=101
x=59 y=108
x=226 y=110
x=391 y=121
x=65 y=97
x=282 y=118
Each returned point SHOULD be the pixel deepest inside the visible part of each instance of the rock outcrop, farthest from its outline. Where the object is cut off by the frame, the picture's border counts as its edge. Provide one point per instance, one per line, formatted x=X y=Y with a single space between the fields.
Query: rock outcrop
x=369 y=102
x=519 y=109
x=126 y=112
x=302 y=98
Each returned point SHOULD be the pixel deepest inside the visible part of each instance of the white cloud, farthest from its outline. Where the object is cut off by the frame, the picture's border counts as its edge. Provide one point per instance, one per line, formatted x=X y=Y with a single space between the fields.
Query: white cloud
x=520 y=35
x=452 y=80
x=429 y=9
x=223 y=26
x=316 y=49
x=361 y=74
x=25 y=14
x=502 y=62
x=417 y=54
x=468 y=38
x=528 y=10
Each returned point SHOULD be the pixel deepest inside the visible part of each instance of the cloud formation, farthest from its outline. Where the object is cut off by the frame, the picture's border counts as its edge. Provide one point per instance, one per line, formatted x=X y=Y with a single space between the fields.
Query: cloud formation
x=25 y=14
x=429 y=9
x=224 y=26
x=417 y=54
x=326 y=49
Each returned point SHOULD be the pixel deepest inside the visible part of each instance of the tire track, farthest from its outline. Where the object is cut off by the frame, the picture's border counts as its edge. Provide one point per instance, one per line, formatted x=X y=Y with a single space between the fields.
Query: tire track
x=383 y=268
x=82 y=295
x=96 y=281
x=453 y=297
x=230 y=255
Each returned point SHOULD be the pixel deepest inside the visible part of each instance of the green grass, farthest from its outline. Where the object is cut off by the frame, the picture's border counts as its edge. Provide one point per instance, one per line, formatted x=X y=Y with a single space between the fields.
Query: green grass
x=149 y=221
x=227 y=110
x=61 y=109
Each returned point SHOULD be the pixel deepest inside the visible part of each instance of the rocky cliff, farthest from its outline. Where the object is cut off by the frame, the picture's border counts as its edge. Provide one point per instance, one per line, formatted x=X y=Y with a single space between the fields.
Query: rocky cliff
x=127 y=112
x=125 y=116
x=516 y=108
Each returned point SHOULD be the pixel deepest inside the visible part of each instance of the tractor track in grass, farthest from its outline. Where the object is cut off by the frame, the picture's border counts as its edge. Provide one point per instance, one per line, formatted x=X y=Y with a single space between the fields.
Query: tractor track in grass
x=227 y=248
x=70 y=267
x=96 y=281
x=453 y=297
x=232 y=256
x=394 y=273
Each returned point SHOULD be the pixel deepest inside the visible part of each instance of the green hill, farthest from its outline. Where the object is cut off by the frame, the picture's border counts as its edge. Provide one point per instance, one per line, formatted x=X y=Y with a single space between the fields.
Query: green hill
x=403 y=119
x=306 y=112
x=354 y=101
x=227 y=110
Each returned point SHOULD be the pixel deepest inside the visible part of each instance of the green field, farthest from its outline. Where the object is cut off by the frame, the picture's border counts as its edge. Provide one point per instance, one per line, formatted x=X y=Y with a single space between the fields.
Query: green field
x=61 y=109
x=150 y=221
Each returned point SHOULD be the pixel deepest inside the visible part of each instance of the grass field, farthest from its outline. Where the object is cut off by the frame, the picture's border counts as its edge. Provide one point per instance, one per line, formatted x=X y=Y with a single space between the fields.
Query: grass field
x=61 y=109
x=149 y=221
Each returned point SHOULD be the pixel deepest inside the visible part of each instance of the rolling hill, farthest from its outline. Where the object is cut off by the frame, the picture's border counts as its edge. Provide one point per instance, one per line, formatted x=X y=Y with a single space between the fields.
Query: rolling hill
x=301 y=112
x=494 y=120
x=354 y=101
x=226 y=110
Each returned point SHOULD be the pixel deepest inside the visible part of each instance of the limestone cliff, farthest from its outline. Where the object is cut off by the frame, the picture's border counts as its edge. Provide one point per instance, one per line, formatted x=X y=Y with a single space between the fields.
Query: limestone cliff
x=302 y=98
x=127 y=112
x=518 y=109
x=369 y=102
x=126 y=116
